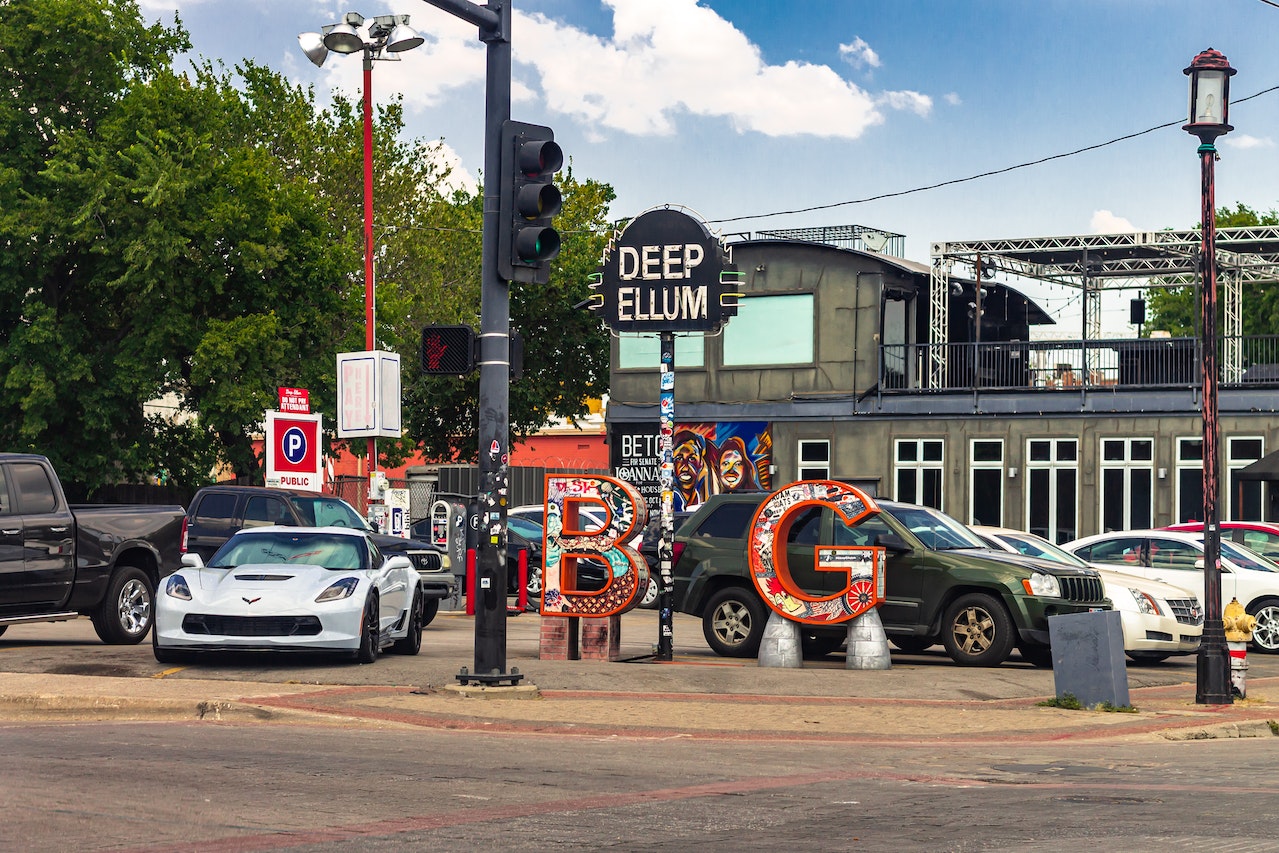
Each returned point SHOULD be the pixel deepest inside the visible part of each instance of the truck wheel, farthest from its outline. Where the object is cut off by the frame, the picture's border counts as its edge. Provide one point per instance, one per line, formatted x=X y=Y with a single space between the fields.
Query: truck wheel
x=429 y=608
x=911 y=644
x=977 y=631
x=412 y=642
x=733 y=622
x=124 y=616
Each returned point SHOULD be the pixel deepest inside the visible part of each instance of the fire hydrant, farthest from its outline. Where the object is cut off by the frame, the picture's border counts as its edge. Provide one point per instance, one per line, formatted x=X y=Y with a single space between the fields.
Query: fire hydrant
x=1238 y=625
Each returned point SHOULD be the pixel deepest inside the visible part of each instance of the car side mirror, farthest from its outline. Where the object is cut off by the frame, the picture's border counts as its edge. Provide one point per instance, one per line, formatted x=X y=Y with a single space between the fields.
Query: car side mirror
x=192 y=560
x=892 y=542
x=399 y=561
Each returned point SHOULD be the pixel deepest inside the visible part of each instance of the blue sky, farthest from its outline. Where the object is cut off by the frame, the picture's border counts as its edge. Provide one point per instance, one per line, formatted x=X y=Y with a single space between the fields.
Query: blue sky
x=746 y=108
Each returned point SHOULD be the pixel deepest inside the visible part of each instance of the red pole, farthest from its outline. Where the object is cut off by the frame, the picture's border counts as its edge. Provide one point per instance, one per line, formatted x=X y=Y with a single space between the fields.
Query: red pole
x=369 y=337
x=521 y=598
x=470 y=581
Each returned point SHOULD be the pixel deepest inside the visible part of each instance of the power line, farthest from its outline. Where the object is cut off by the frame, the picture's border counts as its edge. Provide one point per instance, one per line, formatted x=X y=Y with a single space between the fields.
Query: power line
x=991 y=173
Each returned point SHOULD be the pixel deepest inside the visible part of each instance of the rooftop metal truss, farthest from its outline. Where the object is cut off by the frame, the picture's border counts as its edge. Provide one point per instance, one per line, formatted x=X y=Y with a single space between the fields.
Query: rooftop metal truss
x=1097 y=262
x=856 y=237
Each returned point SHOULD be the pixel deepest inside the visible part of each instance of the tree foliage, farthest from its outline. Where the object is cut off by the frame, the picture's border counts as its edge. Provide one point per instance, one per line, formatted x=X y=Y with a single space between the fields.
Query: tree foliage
x=196 y=239
x=1176 y=309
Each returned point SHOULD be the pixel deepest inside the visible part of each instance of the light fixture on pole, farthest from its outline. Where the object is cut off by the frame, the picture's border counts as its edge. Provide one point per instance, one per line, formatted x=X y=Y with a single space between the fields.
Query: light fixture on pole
x=1210 y=75
x=381 y=37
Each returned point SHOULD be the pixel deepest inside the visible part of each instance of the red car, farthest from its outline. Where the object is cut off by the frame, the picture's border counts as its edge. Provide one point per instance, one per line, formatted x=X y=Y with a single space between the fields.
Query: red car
x=1259 y=536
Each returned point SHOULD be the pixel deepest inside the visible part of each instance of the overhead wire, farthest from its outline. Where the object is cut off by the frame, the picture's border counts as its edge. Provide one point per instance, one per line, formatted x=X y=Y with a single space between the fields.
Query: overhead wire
x=991 y=173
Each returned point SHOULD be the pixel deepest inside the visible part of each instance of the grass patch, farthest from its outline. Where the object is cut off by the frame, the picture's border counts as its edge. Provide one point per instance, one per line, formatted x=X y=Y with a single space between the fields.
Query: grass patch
x=1274 y=727
x=1070 y=702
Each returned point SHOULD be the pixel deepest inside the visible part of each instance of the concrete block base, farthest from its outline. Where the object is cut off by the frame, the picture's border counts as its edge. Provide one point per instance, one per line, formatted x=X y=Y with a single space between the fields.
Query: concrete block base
x=781 y=645
x=867 y=643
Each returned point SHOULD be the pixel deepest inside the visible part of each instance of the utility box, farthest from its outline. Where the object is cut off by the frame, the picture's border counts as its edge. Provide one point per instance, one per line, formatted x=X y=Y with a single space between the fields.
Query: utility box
x=1088 y=657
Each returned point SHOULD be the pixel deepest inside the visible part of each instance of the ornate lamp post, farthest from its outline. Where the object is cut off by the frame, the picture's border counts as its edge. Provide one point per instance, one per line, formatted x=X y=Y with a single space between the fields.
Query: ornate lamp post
x=388 y=34
x=1210 y=75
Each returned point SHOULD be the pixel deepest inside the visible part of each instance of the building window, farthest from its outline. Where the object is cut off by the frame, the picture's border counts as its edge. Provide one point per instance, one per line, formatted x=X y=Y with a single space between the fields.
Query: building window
x=814 y=459
x=919 y=469
x=1127 y=483
x=644 y=352
x=986 y=474
x=1244 y=498
x=769 y=330
x=1190 y=480
x=1052 y=491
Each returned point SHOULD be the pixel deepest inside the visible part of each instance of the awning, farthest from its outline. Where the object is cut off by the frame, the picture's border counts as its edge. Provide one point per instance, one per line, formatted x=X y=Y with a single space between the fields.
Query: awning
x=1265 y=468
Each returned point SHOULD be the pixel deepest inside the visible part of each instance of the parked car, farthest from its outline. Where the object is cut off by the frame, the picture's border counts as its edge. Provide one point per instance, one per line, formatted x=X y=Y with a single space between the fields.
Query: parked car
x=218 y=511
x=1159 y=620
x=1259 y=536
x=943 y=583
x=59 y=561
x=1176 y=557
x=325 y=589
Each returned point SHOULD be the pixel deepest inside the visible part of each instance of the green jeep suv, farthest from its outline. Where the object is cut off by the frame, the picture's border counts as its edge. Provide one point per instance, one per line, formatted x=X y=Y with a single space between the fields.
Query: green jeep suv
x=943 y=585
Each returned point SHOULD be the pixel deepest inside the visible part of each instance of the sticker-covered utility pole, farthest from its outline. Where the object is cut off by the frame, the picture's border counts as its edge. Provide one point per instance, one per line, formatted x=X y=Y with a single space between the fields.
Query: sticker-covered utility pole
x=666 y=273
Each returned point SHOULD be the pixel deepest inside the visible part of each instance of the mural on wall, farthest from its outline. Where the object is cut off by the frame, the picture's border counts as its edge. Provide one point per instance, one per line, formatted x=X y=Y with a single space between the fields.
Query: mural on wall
x=714 y=458
x=569 y=543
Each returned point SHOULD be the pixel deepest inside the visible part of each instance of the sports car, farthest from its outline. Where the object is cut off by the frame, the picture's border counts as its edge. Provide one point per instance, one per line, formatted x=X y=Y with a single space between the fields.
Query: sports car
x=315 y=589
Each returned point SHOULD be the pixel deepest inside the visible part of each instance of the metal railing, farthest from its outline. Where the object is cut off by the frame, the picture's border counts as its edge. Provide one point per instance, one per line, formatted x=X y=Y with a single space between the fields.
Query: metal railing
x=1055 y=365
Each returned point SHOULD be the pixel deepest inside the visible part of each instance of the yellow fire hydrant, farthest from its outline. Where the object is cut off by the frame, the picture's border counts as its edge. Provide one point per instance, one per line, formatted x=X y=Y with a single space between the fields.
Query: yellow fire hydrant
x=1239 y=627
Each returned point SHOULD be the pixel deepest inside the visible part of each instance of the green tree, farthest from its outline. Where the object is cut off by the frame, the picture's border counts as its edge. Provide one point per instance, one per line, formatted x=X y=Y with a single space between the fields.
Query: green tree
x=1176 y=309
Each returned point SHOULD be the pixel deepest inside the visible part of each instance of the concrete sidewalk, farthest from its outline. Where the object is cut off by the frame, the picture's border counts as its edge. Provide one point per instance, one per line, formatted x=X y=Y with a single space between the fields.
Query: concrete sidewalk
x=694 y=700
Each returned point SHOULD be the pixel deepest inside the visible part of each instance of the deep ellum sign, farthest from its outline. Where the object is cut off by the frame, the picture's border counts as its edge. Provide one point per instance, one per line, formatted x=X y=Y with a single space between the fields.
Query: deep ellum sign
x=666 y=272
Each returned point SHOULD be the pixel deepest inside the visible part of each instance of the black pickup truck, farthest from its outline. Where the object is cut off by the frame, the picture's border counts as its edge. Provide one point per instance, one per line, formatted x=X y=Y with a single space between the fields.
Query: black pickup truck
x=218 y=511
x=59 y=561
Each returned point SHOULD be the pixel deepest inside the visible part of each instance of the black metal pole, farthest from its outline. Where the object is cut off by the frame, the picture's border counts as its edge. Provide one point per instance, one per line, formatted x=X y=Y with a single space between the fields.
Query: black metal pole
x=666 y=453
x=494 y=22
x=1212 y=668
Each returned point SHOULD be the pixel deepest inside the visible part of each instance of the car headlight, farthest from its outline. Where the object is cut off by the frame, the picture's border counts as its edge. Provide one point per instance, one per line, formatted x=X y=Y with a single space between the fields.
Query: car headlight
x=176 y=586
x=341 y=589
x=1041 y=584
x=1146 y=604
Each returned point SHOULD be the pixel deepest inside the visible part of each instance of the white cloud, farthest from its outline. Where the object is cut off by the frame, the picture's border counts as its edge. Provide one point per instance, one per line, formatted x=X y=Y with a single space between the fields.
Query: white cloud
x=1105 y=222
x=1244 y=141
x=911 y=101
x=952 y=99
x=859 y=54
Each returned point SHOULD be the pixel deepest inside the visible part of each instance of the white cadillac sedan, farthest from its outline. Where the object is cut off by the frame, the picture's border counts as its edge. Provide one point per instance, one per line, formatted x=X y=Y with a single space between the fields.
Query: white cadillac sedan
x=1177 y=557
x=314 y=589
x=1159 y=620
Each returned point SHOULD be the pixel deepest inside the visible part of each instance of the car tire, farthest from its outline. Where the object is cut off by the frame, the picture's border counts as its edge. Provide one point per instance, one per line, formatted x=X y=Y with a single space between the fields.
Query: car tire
x=1148 y=658
x=411 y=644
x=733 y=622
x=370 y=629
x=1265 y=635
x=534 y=589
x=912 y=645
x=124 y=617
x=3 y=628
x=977 y=631
x=164 y=655
x=430 y=607
x=652 y=591
x=1038 y=656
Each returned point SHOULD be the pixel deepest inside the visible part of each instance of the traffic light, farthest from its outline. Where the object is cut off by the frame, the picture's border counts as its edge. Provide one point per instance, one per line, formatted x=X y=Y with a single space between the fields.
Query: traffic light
x=448 y=350
x=528 y=202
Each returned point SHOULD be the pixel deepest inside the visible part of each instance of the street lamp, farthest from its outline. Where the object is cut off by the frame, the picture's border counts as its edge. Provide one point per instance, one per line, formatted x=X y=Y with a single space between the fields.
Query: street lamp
x=385 y=34
x=1210 y=75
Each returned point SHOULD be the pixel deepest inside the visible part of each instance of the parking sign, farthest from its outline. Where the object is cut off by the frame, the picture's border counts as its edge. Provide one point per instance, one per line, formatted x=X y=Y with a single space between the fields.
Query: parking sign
x=293 y=451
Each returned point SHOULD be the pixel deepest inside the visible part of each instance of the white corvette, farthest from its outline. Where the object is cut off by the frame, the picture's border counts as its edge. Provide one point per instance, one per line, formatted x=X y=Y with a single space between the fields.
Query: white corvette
x=310 y=589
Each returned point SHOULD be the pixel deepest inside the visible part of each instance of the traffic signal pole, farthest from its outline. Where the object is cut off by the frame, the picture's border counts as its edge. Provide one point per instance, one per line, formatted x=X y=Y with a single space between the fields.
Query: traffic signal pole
x=494 y=22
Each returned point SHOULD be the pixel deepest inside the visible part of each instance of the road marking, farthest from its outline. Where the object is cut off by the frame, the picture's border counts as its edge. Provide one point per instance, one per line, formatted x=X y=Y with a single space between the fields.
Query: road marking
x=166 y=673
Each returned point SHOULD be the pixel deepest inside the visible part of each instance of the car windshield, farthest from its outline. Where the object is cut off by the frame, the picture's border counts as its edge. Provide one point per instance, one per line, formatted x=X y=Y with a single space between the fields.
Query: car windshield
x=1243 y=557
x=526 y=527
x=1042 y=548
x=323 y=511
x=330 y=550
x=935 y=529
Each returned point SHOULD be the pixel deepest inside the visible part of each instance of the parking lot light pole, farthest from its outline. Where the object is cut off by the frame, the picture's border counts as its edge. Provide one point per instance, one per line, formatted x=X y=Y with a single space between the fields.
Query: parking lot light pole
x=388 y=34
x=1210 y=75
